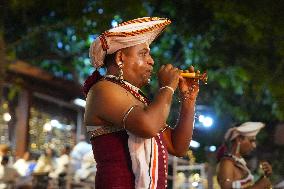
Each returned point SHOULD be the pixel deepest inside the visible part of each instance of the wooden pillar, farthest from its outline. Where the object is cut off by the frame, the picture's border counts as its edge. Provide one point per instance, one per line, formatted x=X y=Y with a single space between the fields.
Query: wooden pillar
x=22 y=123
x=80 y=130
x=3 y=64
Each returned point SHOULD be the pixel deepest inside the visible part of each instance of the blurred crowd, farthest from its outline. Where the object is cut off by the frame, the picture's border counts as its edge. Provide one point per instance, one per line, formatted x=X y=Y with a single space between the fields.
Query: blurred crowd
x=74 y=165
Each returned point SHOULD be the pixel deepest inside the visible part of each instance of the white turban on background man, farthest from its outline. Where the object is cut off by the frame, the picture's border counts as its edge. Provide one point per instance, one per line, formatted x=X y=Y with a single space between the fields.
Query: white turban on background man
x=246 y=129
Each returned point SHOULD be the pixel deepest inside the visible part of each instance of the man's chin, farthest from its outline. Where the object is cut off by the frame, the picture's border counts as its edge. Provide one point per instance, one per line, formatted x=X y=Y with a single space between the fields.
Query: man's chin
x=249 y=154
x=146 y=82
x=146 y=79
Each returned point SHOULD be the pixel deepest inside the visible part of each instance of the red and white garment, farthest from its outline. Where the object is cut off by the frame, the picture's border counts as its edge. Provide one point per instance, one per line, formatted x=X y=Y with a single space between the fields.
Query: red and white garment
x=144 y=158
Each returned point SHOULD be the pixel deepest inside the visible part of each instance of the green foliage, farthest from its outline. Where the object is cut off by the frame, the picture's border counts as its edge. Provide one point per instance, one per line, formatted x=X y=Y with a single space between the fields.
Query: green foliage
x=56 y=35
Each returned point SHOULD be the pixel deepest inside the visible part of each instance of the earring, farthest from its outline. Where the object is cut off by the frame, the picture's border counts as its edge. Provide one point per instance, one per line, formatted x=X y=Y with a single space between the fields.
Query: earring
x=238 y=148
x=120 y=74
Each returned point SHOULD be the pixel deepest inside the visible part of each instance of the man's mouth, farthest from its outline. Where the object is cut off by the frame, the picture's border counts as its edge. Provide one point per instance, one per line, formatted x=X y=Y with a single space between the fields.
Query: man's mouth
x=150 y=71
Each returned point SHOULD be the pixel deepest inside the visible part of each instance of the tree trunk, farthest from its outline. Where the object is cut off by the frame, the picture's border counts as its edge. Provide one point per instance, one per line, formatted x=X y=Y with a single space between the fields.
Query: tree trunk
x=2 y=49
x=2 y=66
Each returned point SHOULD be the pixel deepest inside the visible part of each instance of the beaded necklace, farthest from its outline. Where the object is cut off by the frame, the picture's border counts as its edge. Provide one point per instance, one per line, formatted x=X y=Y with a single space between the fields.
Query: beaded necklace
x=135 y=91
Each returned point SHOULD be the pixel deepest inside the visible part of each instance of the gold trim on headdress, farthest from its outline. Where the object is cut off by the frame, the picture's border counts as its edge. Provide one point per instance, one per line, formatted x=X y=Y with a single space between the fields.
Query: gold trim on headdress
x=103 y=42
x=139 y=31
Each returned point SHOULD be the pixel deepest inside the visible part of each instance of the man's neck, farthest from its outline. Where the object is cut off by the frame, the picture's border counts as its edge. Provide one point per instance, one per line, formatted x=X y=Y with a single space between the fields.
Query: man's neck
x=235 y=153
x=112 y=71
x=115 y=72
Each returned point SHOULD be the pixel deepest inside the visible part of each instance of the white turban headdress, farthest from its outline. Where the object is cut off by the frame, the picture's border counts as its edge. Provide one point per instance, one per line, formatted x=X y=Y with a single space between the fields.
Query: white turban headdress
x=126 y=34
x=245 y=129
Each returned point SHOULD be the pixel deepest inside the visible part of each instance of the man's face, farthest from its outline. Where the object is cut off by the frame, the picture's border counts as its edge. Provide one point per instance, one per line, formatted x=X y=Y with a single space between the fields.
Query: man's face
x=248 y=144
x=138 y=64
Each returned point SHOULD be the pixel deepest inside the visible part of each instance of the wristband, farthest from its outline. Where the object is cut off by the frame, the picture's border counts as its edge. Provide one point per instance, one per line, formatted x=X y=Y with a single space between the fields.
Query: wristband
x=168 y=87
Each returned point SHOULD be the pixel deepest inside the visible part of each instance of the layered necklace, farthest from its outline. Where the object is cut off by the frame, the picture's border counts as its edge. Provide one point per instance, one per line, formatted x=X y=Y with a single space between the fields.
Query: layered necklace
x=135 y=91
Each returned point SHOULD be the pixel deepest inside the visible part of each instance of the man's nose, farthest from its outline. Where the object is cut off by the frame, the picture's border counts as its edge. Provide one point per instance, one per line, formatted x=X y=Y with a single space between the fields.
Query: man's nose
x=253 y=144
x=150 y=61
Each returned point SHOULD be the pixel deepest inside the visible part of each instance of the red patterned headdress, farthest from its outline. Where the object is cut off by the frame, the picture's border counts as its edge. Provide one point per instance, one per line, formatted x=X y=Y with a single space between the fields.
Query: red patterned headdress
x=126 y=34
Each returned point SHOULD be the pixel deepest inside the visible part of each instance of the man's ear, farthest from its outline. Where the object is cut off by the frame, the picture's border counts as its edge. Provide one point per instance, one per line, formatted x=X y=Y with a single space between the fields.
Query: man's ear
x=241 y=138
x=118 y=57
x=238 y=139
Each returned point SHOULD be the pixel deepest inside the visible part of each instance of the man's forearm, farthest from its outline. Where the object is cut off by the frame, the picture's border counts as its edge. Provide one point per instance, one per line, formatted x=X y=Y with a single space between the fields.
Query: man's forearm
x=262 y=183
x=182 y=134
x=158 y=110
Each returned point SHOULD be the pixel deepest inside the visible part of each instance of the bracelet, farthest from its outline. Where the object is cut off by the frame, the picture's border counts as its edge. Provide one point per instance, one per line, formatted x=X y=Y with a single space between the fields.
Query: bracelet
x=126 y=115
x=168 y=87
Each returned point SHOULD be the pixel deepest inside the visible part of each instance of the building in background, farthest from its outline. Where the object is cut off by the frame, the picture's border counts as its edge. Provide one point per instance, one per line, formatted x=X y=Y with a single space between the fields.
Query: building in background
x=38 y=110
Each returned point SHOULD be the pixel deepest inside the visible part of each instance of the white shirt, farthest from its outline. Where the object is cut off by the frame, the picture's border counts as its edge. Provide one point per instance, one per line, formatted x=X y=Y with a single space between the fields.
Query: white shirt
x=22 y=166
x=62 y=164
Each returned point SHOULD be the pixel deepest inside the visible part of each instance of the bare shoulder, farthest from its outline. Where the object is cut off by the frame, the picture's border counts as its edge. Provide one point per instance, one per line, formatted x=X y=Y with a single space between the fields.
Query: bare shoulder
x=104 y=89
x=106 y=94
x=225 y=169
x=108 y=102
x=226 y=162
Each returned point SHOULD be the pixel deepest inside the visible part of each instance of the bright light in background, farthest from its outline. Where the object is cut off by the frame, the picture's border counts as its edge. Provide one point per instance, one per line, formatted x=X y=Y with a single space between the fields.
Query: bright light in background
x=100 y=11
x=55 y=123
x=74 y=38
x=91 y=38
x=114 y=23
x=205 y=120
x=68 y=127
x=7 y=117
x=208 y=122
x=212 y=148
x=47 y=127
x=194 y=184
x=201 y=118
x=87 y=61
x=79 y=102
x=59 y=45
x=194 y=144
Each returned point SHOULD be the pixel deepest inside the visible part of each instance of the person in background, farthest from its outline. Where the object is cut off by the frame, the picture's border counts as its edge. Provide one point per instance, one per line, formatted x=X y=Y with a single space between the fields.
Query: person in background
x=232 y=170
x=8 y=175
x=88 y=169
x=32 y=162
x=129 y=133
x=62 y=163
x=4 y=151
x=46 y=162
x=22 y=164
x=78 y=152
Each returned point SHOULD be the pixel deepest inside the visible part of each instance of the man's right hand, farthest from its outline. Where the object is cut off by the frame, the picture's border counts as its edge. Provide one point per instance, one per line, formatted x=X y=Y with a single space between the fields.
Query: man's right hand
x=267 y=169
x=169 y=76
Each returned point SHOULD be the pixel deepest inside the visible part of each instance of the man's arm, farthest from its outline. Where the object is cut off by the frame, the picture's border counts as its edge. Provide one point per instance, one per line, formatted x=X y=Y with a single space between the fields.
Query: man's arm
x=225 y=173
x=262 y=183
x=112 y=102
x=178 y=139
x=226 y=177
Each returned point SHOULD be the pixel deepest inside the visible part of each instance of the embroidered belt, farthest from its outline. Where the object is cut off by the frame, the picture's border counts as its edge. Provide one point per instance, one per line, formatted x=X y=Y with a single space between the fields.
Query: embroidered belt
x=103 y=131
